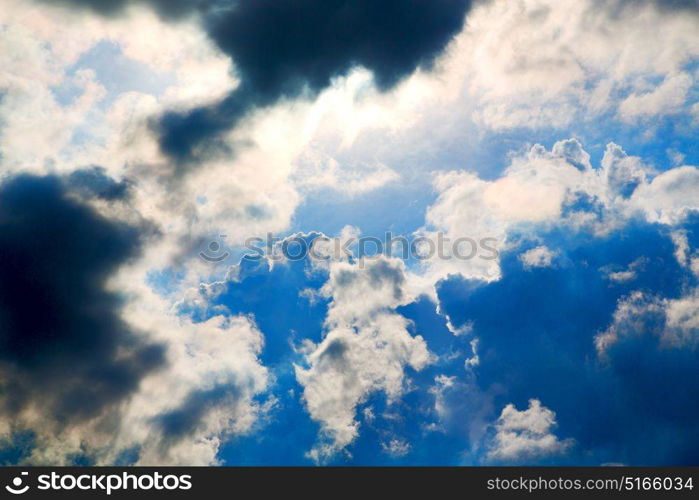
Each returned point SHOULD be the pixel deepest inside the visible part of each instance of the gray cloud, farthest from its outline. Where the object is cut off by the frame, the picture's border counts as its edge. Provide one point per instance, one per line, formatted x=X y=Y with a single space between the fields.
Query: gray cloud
x=64 y=349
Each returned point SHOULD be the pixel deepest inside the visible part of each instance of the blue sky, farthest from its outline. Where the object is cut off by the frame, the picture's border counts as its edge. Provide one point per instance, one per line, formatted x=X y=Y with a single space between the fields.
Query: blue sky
x=134 y=136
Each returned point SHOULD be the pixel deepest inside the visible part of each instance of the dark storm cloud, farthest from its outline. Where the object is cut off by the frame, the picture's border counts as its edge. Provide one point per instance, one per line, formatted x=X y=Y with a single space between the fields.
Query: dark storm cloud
x=63 y=345
x=187 y=419
x=93 y=182
x=285 y=48
x=282 y=45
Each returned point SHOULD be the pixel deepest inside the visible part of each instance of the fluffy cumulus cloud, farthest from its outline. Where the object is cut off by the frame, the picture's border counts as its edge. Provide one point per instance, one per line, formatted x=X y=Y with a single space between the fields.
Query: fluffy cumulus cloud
x=533 y=190
x=209 y=393
x=670 y=197
x=541 y=152
x=367 y=348
x=580 y=61
x=674 y=322
x=526 y=433
x=540 y=256
x=541 y=189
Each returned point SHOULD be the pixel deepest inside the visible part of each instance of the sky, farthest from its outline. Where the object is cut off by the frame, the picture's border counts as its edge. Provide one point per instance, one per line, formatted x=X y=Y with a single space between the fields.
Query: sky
x=342 y=232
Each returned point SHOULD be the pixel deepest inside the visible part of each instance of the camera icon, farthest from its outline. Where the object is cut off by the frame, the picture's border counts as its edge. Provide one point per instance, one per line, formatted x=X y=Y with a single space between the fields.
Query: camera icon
x=16 y=487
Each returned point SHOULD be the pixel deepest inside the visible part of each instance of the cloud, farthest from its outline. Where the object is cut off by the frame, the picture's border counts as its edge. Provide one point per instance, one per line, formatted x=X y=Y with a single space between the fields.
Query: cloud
x=540 y=64
x=537 y=328
x=93 y=182
x=623 y=173
x=316 y=172
x=540 y=256
x=82 y=86
x=533 y=190
x=679 y=5
x=682 y=316
x=34 y=124
x=526 y=434
x=670 y=197
x=667 y=98
x=95 y=365
x=396 y=447
x=570 y=63
x=212 y=389
x=673 y=322
x=287 y=49
x=542 y=189
x=66 y=355
x=633 y=316
x=67 y=102
x=624 y=275
x=169 y=9
x=366 y=348
x=353 y=339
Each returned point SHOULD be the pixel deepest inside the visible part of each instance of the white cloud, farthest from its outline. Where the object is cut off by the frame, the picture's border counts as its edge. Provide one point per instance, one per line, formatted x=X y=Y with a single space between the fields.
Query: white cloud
x=219 y=354
x=674 y=322
x=542 y=63
x=633 y=316
x=532 y=193
x=526 y=434
x=471 y=363
x=442 y=383
x=540 y=256
x=456 y=396
x=682 y=250
x=667 y=98
x=317 y=171
x=619 y=274
x=212 y=373
x=41 y=44
x=553 y=65
x=622 y=276
x=670 y=196
x=623 y=173
x=682 y=317
x=367 y=348
x=683 y=253
x=396 y=447
x=35 y=127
